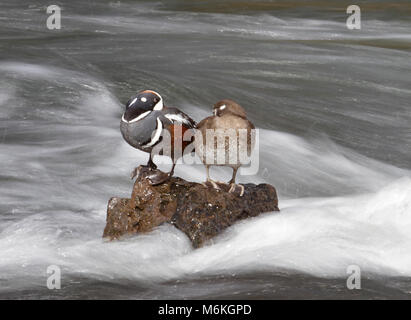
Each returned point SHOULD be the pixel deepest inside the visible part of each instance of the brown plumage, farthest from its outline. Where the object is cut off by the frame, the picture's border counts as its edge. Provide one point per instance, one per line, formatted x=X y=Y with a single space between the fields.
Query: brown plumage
x=228 y=115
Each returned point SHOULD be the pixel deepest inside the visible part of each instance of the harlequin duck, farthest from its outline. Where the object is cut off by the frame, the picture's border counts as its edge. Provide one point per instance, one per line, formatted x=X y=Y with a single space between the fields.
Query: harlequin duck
x=227 y=115
x=141 y=126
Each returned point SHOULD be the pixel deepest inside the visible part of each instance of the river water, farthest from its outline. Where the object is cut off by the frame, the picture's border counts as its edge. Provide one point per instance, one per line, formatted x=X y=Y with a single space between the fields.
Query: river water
x=334 y=113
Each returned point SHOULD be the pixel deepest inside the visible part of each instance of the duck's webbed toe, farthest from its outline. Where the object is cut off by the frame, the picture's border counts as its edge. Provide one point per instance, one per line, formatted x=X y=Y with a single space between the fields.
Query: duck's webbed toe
x=158 y=177
x=237 y=189
x=140 y=171
x=211 y=184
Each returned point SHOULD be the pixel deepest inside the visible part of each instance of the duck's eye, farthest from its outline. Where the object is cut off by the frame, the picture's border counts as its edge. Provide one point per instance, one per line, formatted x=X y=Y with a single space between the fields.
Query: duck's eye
x=222 y=107
x=144 y=99
x=155 y=100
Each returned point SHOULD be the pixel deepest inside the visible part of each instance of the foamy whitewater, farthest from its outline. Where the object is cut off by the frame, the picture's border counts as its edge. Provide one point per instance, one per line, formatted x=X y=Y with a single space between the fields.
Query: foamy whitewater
x=335 y=140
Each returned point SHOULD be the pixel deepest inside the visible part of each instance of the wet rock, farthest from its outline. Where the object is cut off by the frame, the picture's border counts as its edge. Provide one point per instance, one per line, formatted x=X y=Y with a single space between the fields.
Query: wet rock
x=201 y=212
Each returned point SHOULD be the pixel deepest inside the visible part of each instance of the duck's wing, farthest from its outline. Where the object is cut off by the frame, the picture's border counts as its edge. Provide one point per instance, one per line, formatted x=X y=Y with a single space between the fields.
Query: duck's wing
x=177 y=116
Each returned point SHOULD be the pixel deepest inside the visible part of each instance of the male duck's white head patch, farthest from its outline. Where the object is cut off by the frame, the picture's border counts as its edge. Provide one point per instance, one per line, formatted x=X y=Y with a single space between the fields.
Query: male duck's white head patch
x=159 y=105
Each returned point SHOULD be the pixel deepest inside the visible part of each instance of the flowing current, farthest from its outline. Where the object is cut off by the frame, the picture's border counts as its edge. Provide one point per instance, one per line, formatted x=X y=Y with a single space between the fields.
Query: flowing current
x=334 y=111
